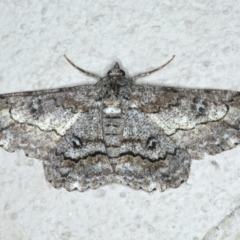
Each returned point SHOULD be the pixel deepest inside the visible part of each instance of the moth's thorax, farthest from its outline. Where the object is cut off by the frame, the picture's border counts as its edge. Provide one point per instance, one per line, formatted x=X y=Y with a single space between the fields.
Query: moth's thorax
x=111 y=88
x=115 y=79
x=114 y=84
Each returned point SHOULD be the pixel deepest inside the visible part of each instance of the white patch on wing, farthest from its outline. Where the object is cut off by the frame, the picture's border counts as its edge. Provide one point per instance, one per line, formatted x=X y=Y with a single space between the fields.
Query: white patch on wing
x=59 y=121
x=161 y=123
x=4 y=112
x=232 y=117
x=217 y=113
x=75 y=185
x=5 y=119
x=67 y=125
x=133 y=105
x=172 y=119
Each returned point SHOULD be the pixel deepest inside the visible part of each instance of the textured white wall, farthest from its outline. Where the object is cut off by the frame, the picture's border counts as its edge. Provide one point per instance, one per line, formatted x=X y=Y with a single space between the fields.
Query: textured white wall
x=204 y=36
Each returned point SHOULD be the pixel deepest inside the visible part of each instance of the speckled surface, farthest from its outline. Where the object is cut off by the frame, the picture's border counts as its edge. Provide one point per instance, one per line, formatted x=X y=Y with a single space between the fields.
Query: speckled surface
x=204 y=36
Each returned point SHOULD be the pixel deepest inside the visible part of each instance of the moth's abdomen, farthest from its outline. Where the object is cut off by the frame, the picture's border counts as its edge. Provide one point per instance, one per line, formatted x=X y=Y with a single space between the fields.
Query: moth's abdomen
x=113 y=122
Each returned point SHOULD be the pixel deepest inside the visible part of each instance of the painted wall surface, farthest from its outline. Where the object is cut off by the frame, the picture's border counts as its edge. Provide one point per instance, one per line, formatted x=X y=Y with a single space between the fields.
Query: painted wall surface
x=140 y=35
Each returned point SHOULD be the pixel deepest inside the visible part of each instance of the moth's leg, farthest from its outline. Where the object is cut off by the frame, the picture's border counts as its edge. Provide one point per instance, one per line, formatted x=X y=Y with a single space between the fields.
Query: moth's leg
x=154 y=70
x=83 y=71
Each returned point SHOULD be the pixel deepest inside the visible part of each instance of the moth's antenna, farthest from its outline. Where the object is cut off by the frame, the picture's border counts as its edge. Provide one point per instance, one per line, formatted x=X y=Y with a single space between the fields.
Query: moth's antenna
x=83 y=71
x=154 y=70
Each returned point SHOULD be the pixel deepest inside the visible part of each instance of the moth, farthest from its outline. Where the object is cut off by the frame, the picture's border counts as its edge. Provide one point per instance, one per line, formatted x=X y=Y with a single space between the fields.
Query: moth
x=143 y=136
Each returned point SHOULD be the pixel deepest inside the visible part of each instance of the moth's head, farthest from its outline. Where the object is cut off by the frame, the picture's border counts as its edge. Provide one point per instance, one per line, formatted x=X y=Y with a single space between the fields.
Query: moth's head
x=116 y=71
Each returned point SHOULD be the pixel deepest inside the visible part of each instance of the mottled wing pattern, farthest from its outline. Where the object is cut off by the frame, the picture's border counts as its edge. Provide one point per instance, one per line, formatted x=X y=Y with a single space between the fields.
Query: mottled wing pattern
x=167 y=127
x=80 y=160
x=197 y=121
x=149 y=158
x=60 y=127
x=145 y=138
